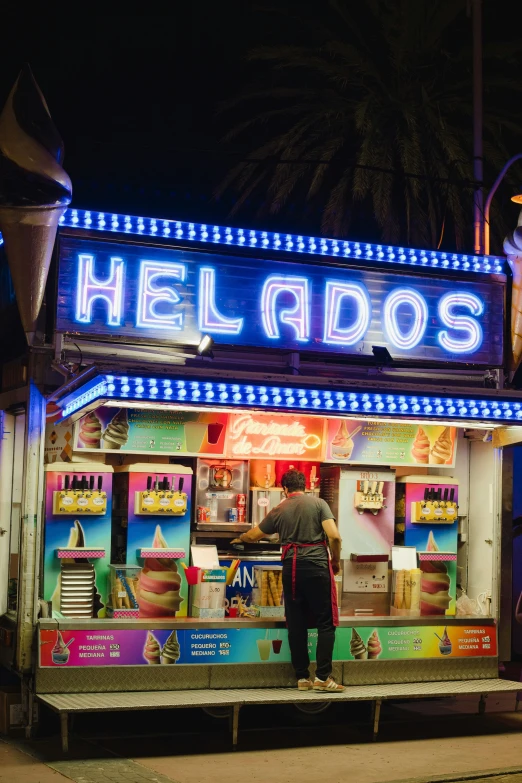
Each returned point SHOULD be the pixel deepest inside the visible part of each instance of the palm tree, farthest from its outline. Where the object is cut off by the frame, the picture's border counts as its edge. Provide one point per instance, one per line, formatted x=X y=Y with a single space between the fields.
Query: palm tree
x=376 y=110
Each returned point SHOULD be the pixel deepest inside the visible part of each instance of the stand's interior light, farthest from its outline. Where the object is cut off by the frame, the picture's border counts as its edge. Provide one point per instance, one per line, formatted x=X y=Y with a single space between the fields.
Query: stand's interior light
x=205 y=345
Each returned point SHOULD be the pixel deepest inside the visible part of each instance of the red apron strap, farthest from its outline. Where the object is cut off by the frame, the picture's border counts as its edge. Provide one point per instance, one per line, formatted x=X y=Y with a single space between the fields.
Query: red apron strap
x=333 y=588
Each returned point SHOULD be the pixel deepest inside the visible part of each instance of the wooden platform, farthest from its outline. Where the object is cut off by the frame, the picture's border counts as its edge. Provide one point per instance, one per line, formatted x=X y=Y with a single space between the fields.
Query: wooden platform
x=74 y=703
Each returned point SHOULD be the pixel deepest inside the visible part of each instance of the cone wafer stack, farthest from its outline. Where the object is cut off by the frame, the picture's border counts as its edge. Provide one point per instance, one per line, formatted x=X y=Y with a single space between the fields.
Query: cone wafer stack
x=399 y=589
x=264 y=589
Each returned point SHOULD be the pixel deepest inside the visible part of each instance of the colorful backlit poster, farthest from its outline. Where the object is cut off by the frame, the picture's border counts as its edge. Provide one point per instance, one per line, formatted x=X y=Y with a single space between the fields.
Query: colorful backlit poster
x=167 y=594
x=357 y=442
x=152 y=431
x=91 y=532
x=258 y=435
x=133 y=647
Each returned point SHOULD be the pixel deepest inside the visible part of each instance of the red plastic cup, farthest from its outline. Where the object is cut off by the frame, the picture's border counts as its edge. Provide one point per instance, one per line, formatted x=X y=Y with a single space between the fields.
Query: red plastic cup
x=192 y=574
x=232 y=612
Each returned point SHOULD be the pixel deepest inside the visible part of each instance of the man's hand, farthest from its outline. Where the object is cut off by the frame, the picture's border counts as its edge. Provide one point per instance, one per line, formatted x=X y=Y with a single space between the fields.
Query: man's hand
x=236 y=541
x=336 y=567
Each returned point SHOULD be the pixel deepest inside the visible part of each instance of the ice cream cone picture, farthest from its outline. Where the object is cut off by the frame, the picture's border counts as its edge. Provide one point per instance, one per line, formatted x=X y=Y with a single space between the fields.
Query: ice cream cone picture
x=357 y=647
x=116 y=433
x=170 y=651
x=432 y=545
x=420 y=450
x=435 y=583
x=513 y=250
x=442 y=450
x=90 y=431
x=374 y=646
x=159 y=584
x=151 y=651
x=34 y=193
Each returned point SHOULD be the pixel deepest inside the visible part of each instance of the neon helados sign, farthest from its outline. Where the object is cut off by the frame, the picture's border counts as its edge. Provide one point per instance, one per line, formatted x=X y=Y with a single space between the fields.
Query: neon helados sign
x=175 y=296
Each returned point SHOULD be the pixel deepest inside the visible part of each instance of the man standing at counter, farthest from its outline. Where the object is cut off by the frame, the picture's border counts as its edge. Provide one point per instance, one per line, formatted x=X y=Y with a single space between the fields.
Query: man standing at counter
x=308 y=534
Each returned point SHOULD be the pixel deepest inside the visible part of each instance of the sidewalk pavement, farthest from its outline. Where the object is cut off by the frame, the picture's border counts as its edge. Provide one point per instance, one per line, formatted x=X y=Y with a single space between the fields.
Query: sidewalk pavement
x=426 y=742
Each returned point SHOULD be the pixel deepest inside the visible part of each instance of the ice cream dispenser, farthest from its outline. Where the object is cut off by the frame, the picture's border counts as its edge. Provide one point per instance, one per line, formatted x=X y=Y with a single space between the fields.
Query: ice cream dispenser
x=153 y=504
x=77 y=539
x=221 y=492
x=363 y=503
x=427 y=519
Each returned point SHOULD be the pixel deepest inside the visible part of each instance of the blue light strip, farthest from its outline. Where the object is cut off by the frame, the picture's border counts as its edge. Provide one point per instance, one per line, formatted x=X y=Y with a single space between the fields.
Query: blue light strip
x=284 y=398
x=182 y=231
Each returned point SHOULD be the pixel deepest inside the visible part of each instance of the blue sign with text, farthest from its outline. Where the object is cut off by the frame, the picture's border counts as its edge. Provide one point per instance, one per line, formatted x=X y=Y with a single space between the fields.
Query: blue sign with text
x=176 y=296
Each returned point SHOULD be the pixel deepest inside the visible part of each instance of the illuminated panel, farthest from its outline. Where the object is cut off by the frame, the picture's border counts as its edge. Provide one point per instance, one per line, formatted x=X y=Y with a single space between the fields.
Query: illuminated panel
x=90 y=288
x=182 y=231
x=405 y=296
x=297 y=317
x=209 y=317
x=151 y=295
x=336 y=294
x=177 y=295
x=471 y=328
x=333 y=402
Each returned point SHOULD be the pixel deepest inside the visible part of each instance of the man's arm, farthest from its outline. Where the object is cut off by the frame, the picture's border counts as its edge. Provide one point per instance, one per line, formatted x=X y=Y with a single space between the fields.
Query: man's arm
x=251 y=536
x=334 y=540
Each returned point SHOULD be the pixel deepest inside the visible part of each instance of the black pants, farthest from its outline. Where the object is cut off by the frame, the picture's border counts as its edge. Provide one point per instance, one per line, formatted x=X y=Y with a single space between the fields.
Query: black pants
x=312 y=607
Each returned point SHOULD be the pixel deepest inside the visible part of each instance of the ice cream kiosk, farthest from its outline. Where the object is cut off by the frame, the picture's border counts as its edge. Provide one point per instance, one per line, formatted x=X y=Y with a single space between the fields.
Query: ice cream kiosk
x=153 y=457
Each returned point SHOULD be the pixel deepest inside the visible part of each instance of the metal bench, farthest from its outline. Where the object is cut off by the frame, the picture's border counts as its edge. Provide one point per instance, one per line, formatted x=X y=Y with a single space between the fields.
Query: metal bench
x=75 y=703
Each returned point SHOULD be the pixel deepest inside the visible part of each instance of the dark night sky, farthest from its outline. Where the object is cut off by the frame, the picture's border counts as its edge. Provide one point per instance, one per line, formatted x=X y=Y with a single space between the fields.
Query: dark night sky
x=134 y=96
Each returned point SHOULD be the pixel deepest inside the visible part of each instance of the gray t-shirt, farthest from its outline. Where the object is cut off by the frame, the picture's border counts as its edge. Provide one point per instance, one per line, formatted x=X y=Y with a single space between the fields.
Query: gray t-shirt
x=298 y=519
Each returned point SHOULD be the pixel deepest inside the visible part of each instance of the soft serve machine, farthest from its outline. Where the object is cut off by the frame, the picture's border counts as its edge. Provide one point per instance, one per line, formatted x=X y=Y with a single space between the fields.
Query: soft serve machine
x=363 y=503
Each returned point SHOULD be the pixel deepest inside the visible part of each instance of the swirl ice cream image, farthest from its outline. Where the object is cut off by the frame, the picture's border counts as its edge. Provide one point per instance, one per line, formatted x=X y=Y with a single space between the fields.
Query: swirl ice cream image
x=116 y=433
x=60 y=652
x=90 y=431
x=435 y=584
x=151 y=651
x=420 y=450
x=357 y=647
x=442 y=449
x=34 y=193
x=170 y=652
x=374 y=646
x=159 y=584
x=513 y=250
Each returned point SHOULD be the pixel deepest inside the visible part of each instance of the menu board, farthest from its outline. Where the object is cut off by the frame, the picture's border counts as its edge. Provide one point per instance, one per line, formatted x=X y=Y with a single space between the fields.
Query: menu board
x=359 y=442
x=152 y=431
x=133 y=647
x=257 y=435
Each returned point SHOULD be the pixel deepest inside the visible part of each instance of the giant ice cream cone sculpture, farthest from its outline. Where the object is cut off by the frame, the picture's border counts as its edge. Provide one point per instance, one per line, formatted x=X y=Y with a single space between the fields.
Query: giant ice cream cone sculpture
x=34 y=193
x=159 y=584
x=513 y=250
